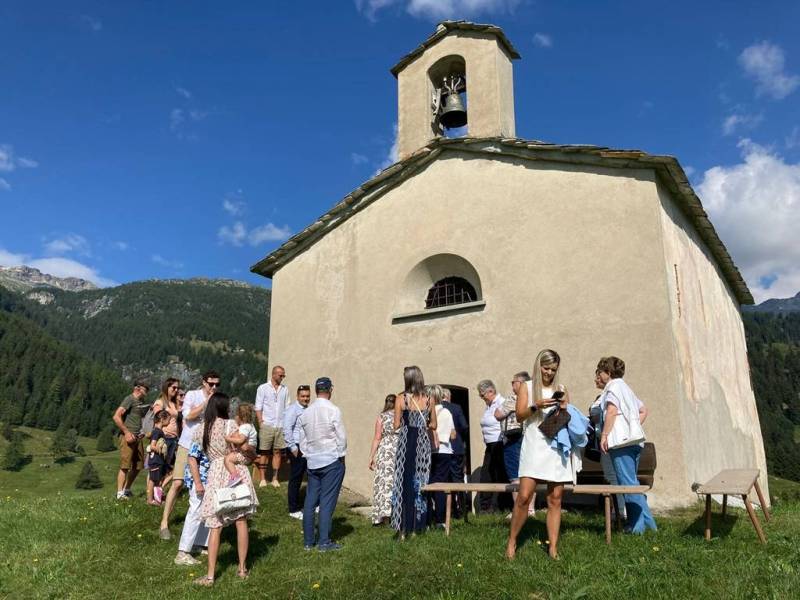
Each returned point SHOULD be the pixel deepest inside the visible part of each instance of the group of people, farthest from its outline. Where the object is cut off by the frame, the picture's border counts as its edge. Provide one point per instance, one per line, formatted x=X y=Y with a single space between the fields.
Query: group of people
x=200 y=442
x=206 y=446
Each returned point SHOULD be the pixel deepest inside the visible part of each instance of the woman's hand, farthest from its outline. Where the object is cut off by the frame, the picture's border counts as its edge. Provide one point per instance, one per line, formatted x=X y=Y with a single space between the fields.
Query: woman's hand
x=371 y=464
x=565 y=399
x=130 y=438
x=544 y=403
x=199 y=490
x=604 y=443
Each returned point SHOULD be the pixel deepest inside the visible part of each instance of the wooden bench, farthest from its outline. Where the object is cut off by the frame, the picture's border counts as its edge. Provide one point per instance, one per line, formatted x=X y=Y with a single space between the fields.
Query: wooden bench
x=590 y=482
x=734 y=482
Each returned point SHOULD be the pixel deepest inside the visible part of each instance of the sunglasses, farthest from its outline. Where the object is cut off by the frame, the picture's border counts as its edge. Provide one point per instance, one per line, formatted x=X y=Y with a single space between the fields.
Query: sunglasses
x=212 y=384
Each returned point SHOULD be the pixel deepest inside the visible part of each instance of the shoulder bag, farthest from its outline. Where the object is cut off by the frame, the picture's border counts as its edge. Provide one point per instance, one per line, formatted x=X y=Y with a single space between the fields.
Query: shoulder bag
x=227 y=499
x=627 y=431
x=554 y=422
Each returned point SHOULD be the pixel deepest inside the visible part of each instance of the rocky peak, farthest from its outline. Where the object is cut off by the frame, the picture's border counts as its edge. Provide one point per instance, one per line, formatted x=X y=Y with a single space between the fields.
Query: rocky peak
x=23 y=278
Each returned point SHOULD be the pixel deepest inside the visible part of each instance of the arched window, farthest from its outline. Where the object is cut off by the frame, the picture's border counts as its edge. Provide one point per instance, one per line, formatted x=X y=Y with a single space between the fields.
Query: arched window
x=450 y=291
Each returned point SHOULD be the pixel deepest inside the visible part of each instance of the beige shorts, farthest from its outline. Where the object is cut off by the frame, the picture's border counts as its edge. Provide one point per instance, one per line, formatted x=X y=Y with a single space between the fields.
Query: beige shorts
x=181 y=456
x=131 y=456
x=270 y=438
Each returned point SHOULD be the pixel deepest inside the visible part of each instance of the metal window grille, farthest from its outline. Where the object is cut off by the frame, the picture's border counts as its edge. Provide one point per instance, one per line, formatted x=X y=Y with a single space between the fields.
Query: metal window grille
x=449 y=291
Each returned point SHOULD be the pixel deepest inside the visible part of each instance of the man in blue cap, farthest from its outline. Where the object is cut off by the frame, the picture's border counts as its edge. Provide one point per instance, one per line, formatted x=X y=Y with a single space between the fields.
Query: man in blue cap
x=323 y=441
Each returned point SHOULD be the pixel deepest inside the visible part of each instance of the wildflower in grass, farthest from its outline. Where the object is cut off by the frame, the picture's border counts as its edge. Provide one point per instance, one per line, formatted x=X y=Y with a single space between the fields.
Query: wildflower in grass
x=139 y=535
x=315 y=586
x=459 y=565
x=656 y=548
x=191 y=575
x=35 y=560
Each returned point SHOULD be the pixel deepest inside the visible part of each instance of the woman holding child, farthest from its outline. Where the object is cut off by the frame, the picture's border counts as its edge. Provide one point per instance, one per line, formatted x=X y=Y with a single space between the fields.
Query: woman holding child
x=218 y=430
x=539 y=460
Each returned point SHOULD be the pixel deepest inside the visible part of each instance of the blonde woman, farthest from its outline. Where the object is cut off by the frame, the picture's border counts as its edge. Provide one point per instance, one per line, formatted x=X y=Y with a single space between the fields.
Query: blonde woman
x=381 y=461
x=539 y=462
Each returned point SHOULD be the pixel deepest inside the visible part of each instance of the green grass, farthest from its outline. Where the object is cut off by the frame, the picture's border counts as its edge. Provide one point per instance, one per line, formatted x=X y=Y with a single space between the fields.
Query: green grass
x=58 y=542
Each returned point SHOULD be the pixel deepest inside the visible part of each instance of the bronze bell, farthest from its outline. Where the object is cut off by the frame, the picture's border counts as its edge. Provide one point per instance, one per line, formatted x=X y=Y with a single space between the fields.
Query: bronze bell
x=453 y=112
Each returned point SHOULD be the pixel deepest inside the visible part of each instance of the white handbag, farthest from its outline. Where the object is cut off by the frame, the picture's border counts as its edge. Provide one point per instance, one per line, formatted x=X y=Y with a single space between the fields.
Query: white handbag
x=627 y=431
x=227 y=499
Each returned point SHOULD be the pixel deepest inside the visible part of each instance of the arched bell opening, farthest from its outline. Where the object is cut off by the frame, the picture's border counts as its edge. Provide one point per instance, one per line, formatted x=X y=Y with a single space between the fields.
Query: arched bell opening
x=448 y=82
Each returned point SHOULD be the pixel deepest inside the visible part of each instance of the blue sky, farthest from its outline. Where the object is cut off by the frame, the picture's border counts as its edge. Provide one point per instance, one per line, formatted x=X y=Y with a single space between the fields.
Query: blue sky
x=152 y=140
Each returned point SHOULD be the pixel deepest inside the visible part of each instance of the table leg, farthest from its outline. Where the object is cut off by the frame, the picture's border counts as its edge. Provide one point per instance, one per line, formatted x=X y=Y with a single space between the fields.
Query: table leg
x=754 y=519
x=448 y=504
x=708 y=516
x=762 y=502
x=607 y=503
x=724 y=505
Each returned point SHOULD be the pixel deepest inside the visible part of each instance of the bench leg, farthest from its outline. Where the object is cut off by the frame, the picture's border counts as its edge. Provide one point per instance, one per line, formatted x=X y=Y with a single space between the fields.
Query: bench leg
x=754 y=519
x=607 y=504
x=708 y=516
x=761 y=500
x=724 y=505
x=448 y=506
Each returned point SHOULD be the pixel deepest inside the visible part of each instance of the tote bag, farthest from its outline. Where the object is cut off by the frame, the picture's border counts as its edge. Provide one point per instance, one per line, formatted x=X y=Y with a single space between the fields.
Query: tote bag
x=627 y=431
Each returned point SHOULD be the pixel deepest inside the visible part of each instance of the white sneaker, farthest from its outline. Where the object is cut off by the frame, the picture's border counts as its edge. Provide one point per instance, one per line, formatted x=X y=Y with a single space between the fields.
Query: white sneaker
x=297 y=514
x=316 y=510
x=275 y=483
x=262 y=483
x=185 y=559
x=121 y=495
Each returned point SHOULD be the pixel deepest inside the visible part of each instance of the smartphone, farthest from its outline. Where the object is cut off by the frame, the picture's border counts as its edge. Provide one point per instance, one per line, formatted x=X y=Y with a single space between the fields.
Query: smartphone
x=558 y=395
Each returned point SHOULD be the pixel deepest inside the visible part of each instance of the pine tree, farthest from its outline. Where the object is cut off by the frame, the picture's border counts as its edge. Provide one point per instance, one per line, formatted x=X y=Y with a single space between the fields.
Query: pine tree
x=8 y=431
x=105 y=441
x=88 y=479
x=14 y=457
x=65 y=445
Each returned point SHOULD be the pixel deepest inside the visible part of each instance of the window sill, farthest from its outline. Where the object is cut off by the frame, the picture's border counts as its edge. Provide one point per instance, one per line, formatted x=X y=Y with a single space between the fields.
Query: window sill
x=435 y=313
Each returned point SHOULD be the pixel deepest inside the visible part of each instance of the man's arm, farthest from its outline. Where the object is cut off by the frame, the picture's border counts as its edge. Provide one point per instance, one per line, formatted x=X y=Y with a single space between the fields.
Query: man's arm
x=341 y=434
x=194 y=469
x=117 y=418
x=259 y=405
x=460 y=422
x=289 y=419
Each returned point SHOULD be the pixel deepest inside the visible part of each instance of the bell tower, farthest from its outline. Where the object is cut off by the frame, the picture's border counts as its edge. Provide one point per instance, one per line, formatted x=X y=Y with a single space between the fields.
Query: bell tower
x=460 y=81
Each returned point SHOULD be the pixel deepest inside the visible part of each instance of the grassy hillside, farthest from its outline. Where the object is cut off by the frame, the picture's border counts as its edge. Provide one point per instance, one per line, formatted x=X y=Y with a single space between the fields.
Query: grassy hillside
x=58 y=542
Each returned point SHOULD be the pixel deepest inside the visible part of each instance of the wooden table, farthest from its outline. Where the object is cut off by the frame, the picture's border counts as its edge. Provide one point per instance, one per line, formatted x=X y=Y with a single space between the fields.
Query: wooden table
x=607 y=491
x=735 y=482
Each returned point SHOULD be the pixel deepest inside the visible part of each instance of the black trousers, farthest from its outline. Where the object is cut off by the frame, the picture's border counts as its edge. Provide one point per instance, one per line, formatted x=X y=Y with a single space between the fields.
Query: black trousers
x=295 y=481
x=442 y=472
x=494 y=471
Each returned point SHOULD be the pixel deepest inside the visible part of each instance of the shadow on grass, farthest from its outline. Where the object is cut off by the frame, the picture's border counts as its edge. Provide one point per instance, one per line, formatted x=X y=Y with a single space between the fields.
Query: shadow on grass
x=719 y=526
x=340 y=528
x=259 y=548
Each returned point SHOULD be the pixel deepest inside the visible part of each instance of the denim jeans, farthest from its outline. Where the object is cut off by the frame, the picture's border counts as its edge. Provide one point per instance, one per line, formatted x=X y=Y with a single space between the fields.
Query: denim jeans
x=611 y=477
x=626 y=464
x=323 y=489
x=295 y=481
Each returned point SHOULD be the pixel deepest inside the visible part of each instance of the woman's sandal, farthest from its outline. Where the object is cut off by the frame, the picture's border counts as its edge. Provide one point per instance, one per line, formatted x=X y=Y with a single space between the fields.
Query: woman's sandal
x=204 y=581
x=243 y=573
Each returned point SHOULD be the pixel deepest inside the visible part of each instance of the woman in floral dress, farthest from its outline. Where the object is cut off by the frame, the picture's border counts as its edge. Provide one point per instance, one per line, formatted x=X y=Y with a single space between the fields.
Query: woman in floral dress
x=381 y=460
x=217 y=425
x=414 y=417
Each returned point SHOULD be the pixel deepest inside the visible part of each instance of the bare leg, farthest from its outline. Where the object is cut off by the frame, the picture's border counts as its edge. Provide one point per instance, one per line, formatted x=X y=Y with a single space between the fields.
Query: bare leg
x=276 y=464
x=150 y=486
x=213 y=550
x=242 y=542
x=519 y=514
x=122 y=477
x=555 y=492
x=169 y=503
x=230 y=463
x=131 y=478
x=261 y=464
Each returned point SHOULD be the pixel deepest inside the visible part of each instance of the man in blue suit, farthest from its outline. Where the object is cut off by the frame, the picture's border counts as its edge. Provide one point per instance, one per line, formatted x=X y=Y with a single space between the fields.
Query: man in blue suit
x=459 y=450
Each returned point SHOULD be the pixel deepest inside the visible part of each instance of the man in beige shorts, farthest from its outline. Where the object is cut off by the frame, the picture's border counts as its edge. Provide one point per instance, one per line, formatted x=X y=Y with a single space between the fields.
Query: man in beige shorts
x=272 y=398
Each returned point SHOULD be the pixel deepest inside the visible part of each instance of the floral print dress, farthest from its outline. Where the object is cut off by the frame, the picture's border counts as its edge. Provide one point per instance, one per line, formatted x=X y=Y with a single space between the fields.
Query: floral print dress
x=218 y=477
x=384 y=469
x=412 y=470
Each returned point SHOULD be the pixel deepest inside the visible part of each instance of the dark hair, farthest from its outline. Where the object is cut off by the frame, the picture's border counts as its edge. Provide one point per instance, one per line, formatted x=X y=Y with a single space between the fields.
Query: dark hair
x=161 y=416
x=612 y=365
x=142 y=383
x=303 y=388
x=388 y=403
x=217 y=408
x=211 y=374
x=164 y=395
x=413 y=380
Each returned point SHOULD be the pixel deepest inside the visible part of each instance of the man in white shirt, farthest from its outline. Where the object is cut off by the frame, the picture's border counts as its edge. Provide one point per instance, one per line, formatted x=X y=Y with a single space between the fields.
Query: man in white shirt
x=272 y=398
x=493 y=469
x=194 y=406
x=323 y=441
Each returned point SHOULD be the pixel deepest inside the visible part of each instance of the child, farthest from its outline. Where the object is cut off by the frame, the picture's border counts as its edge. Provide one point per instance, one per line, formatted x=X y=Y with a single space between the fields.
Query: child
x=156 y=453
x=246 y=439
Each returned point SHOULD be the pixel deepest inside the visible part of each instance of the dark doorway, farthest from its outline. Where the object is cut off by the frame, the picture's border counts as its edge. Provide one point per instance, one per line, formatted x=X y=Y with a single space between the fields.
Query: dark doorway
x=460 y=395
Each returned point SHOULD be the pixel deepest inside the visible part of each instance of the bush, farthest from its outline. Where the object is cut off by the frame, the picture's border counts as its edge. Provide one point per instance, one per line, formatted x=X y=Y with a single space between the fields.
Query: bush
x=88 y=479
x=8 y=431
x=105 y=441
x=14 y=457
x=65 y=445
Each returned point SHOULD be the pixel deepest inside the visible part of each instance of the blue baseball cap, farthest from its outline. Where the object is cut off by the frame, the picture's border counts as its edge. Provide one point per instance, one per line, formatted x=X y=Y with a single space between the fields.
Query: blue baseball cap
x=323 y=384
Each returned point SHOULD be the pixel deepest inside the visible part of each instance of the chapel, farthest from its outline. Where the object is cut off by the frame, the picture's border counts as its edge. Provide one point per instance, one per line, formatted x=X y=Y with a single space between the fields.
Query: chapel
x=477 y=249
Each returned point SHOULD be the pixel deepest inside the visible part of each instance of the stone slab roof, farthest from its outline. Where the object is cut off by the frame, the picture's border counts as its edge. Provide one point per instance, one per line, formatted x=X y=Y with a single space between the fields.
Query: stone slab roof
x=670 y=172
x=444 y=29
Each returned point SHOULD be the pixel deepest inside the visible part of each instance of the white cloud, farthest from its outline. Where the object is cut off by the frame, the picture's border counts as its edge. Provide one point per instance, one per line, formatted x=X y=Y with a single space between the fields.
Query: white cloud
x=542 y=40
x=176 y=118
x=737 y=122
x=233 y=205
x=755 y=207
x=358 y=159
x=183 y=92
x=197 y=114
x=72 y=242
x=9 y=162
x=439 y=9
x=9 y=259
x=393 y=154
x=122 y=246
x=4 y=185
x=171 y=264
x=268 y=233
x=234 y=234
x=92 y=23
x=689 y=170
x=764 y=62
x=793 y=139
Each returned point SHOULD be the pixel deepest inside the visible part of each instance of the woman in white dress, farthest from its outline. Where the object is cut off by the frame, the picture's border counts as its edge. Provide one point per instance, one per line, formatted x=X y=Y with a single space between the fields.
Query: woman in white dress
x=538 y=461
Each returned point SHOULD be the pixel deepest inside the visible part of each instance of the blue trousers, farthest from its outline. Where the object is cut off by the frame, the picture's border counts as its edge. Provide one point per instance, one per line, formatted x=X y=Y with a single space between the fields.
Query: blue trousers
x=626 y=464
x=323 y=489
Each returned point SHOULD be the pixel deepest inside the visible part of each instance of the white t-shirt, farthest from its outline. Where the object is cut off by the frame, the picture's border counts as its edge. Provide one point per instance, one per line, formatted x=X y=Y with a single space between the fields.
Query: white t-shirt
x=490 y=427
x=193 y=399
x=248 y=431
x=444 y=427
